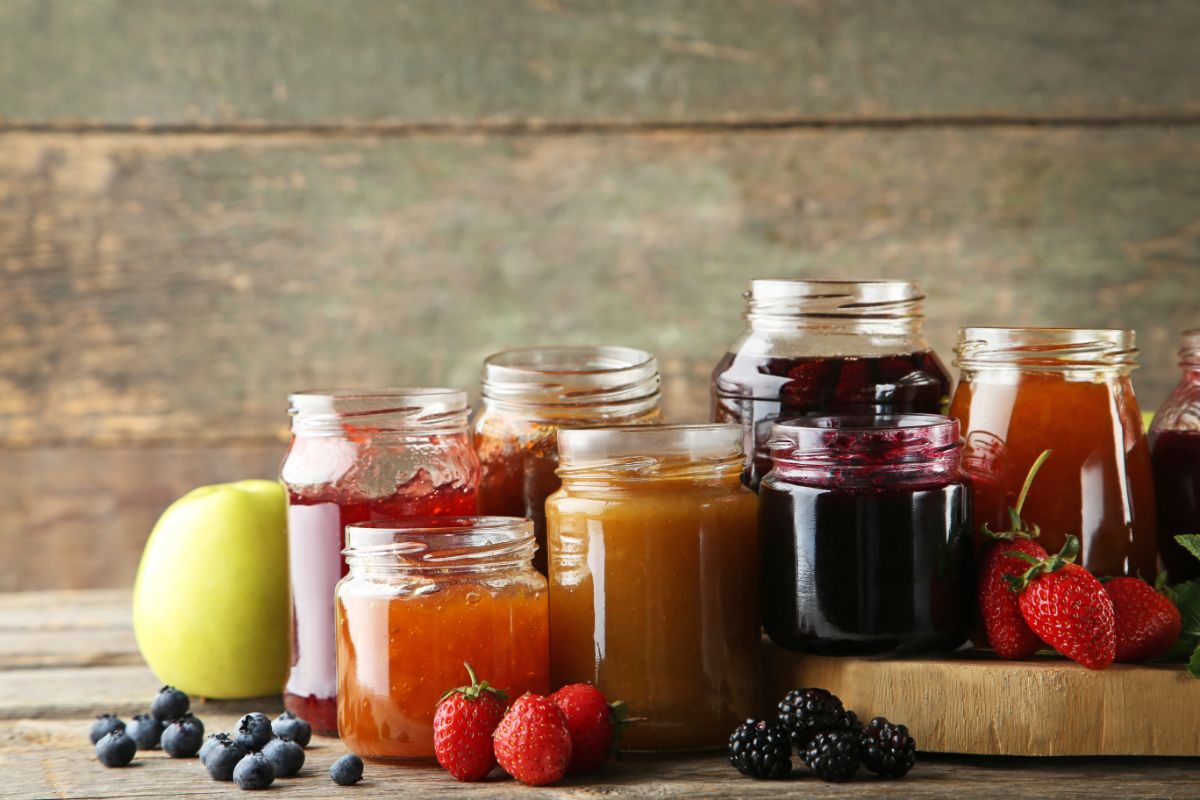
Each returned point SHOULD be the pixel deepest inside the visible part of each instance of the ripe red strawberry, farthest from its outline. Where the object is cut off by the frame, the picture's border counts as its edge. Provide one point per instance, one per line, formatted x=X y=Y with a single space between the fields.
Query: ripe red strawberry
x=462 y=729
x=1067 y=606
x=1148 y=623
x=595 y=725
x=999 y=606
x=532 y=742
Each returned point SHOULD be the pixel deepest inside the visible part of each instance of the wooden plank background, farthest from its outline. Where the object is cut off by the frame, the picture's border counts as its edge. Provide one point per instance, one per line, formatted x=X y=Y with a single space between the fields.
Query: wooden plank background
x=205 y=205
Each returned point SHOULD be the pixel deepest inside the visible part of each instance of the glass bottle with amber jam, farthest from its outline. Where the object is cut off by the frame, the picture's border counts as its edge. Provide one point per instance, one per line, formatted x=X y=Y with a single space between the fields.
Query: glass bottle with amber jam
x=1175 y=454
x=826 y=347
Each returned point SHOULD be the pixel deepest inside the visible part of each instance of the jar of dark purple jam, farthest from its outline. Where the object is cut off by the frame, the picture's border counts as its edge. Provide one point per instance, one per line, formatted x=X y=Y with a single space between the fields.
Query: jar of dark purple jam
x=865 y=527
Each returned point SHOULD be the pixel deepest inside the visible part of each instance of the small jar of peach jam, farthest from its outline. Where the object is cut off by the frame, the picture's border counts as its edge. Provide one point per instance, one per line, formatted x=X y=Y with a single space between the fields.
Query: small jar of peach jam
x=654 y=579
x=422 y=597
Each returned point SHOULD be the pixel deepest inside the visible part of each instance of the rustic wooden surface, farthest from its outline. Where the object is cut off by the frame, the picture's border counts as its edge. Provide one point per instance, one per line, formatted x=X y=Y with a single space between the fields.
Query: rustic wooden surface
x=48 y=698
x=984 y=706
x=206 y=204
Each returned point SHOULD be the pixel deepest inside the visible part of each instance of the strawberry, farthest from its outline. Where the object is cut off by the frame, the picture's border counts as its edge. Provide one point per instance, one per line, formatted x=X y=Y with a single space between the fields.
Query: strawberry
x=594 y=723
x=1148 y=623
x=1067 y=606
x=532 y=742
x=463 y=726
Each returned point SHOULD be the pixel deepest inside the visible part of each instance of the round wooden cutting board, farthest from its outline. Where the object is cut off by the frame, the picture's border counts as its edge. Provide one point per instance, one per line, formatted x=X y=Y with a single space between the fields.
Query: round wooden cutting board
x=977 y=704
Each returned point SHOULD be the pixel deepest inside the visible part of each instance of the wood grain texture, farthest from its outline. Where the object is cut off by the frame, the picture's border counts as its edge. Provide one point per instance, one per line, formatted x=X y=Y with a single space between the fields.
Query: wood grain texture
x=226 y=62
x=980 y=705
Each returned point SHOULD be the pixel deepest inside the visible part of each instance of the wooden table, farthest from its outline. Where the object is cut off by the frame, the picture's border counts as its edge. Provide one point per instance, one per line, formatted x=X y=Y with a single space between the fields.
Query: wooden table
x=67 y=656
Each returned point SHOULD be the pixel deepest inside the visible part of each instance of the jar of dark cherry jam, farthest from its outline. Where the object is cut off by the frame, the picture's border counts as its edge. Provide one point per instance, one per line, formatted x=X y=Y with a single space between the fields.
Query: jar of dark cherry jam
x=1175 y=455
x=865 y=528
x=388 y=454
x=826 y=347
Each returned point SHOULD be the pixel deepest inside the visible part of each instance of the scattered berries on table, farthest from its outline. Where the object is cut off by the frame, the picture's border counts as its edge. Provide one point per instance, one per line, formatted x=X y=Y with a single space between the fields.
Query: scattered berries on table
x=285 y=756
x=168 y=704
x=222 y=758
x=104 y=724
x=347 y=770
x=253 y=731
x=805 y=712
x=887 y=749
x=145 y=730
x=289 y=725
x=1147 y=622
x=761 y=750
x=463 y=725
x=999 y=606
x=212 y=741
x=532 y=741
x=183 y=737
x=254 y=772
x=833 y=755
x=594 y=724
x=115 y=749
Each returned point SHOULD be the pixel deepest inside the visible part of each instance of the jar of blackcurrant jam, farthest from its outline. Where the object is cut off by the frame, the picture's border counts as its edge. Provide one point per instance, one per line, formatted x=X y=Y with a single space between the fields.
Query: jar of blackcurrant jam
x=386 y=454
x=1175 y=455
x=1068 y=390
x=865 y=528
x=826 y=347
x=528 y=395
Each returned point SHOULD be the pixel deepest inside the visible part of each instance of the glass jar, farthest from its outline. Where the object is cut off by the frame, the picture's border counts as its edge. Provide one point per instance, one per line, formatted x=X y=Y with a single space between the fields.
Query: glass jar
x=1025 y=390
x=1175 y=455
x=421 y=598
x=865 y=527
x=528 y=395
x=357 y=456
x=826 y=347
x=654 y=571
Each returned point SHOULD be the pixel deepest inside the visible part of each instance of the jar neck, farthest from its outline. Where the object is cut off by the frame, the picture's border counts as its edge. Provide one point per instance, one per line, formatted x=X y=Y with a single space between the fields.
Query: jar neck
x=440 y=546
x=638 y=470
x=389 y=412
x=886 y=309
x=1076 y=353
x=1189 y=353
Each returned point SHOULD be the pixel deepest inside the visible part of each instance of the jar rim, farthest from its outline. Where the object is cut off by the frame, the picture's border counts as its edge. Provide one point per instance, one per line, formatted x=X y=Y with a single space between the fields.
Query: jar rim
x=572 y=375
x=878 y=299
x=385 y=408
x=685 y=442
x=1189 y=349
x=865 y=442
x=441 y=542
x=1046 y=348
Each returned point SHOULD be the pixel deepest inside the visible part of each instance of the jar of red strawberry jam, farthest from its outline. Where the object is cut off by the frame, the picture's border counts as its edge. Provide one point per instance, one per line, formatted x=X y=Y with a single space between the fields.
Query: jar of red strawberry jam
x=1175 y=455
x=385 y=454
x=826 y=347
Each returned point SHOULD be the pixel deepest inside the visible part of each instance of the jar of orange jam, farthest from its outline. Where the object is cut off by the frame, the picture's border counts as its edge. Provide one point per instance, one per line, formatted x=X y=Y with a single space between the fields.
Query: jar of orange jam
x=1025 y=390
x=654 y=579
x=528 y=395
x=422 y=597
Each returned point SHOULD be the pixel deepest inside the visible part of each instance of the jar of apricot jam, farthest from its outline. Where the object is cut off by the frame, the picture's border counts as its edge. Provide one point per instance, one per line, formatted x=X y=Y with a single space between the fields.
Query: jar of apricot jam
x=422 y=597
x=1175 y=455
x=654 y=565
x=528 y=395
x=865 y=526
x=1025 y=390
x=357 y=456
x=826 y=347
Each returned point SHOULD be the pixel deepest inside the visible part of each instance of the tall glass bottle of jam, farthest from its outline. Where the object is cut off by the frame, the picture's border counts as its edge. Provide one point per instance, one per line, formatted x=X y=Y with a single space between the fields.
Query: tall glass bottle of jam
x=866 y=532
x=1025 y=390
x=826 y=347
x=355 y=456
x=528 y=395
x=1175 y=454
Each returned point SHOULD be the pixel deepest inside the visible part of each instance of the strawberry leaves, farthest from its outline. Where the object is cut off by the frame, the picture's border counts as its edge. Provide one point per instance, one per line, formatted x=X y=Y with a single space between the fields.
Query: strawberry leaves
x=1186 y=597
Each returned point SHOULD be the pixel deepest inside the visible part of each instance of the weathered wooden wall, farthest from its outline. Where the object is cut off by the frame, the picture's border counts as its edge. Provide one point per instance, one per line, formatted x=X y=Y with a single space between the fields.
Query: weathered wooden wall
x=206 y=204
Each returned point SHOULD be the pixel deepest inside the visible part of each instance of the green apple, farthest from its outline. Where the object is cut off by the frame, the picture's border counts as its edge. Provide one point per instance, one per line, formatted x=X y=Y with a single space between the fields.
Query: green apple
x=210 y=605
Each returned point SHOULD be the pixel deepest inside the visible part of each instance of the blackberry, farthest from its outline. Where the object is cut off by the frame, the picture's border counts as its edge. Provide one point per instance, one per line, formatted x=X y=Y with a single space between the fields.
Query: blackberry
x=804 y=713
x=887 y=749
x=761 y=750
x=833 y=755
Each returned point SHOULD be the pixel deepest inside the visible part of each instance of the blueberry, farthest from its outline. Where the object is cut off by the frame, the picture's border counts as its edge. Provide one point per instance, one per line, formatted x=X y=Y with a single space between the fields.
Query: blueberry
x=168 y=704
x=289 y=725
x=285 y=756
x=223 y=758
x=182 y=737
x=254 y=772
x=253 y=731
x=105 y=723
x=212 y=741
x=347 y=770
x=115 y=749
x=145 y=730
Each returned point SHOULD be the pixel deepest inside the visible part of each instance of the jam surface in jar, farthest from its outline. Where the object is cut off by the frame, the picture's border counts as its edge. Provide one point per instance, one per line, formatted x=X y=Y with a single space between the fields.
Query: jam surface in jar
x=654 y=569
x=1017 y=398
x=347 y=465
x=405 y=628
x=865 y=525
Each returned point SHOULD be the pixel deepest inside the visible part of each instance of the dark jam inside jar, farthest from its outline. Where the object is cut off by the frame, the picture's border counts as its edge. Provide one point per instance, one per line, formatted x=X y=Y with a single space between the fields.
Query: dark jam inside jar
x=865 y=527
x=1175 y=456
